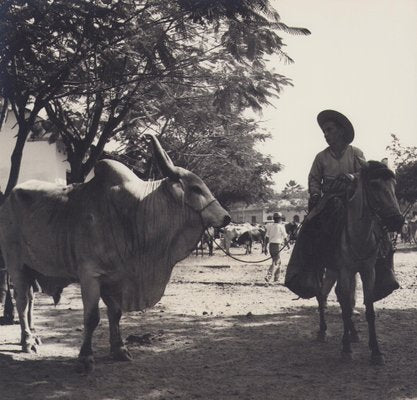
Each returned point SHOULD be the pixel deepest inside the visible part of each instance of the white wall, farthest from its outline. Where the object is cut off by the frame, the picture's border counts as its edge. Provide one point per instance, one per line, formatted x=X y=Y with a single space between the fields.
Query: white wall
x=40 y=159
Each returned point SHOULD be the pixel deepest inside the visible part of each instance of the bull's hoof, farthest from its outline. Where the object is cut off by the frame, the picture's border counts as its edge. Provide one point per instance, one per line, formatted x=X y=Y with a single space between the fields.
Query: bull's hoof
x=30 y=347
x=377 y=359
x=346 y=356
x=34 y=340
x=85 y=364
x=321 y=337
x=121 y=354
x=354 y=337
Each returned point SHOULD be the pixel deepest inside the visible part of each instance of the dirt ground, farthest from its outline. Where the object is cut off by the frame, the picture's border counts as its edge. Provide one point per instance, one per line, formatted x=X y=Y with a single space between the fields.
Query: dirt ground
x=219 y=333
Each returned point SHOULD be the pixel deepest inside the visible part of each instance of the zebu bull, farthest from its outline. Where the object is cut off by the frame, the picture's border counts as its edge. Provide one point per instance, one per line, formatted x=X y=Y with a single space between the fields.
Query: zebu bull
x=118 y=236
x=371 y=210
x=232 y=232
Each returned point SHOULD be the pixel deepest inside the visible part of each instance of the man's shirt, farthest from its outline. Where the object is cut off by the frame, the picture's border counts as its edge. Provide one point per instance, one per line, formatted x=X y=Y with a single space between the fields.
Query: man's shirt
x=326 y=167
x=276 y=232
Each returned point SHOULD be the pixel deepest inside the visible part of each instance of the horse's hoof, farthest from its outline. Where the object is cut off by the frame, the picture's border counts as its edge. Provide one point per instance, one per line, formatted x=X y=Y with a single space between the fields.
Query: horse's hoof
x=85 y=364
x=354 y=337
x=121 y=354
x=346 y=357
x=377 y=359
x=321 y=337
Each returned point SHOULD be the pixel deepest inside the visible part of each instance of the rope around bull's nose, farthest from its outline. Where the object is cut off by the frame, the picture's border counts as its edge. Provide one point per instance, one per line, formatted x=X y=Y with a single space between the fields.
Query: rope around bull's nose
x=238 y=259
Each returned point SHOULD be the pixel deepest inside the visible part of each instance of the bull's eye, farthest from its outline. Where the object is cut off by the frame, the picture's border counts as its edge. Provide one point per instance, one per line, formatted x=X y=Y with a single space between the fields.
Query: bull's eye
x=196 y=189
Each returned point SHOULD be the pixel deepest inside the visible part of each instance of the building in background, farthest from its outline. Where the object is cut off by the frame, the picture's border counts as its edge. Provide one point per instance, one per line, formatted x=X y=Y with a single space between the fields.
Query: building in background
x=256 y=214
x=40 y=160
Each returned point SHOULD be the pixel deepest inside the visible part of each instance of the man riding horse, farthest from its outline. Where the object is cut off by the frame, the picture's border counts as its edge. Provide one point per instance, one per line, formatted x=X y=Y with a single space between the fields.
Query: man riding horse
x=331 y=179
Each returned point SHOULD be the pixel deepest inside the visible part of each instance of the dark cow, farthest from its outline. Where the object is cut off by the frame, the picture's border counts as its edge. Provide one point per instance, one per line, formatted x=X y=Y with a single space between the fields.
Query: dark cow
x=116 y=235
x=255 y=234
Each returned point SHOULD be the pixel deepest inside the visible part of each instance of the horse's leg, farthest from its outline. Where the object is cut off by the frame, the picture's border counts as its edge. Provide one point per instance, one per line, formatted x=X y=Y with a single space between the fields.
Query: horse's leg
x=329 y=279
x=354 y=337
x=112 y=297
x=90 y=292
x=368 y=282
x=321 y=334
x=343 y=291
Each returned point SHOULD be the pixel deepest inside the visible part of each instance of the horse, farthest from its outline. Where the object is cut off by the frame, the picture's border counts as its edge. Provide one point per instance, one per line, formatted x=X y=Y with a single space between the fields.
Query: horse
x=372 y=210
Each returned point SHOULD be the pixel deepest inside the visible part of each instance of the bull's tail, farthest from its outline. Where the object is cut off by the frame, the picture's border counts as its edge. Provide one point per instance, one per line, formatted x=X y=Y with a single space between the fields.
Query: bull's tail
x=8 y=315
x=8 y=312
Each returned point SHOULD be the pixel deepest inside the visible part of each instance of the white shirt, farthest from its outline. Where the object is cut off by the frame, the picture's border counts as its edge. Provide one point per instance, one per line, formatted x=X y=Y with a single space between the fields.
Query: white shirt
x=276 y=233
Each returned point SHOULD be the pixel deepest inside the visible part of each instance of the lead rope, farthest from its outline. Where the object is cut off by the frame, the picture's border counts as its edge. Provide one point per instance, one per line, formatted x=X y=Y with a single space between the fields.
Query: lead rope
x=247 y=261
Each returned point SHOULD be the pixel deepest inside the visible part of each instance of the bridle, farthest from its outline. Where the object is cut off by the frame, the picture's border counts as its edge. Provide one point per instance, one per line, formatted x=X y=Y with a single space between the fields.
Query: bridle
x=200 y=211
x=376 y=213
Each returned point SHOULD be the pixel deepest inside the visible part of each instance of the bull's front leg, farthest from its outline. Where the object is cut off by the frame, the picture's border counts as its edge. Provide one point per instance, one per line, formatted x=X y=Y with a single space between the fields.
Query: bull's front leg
x=90 y=292
x=23 y=297
x=112 y=297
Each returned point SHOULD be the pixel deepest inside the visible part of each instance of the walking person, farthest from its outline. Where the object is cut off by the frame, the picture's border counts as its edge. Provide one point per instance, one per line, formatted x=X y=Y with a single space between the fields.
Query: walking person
x=277 y=237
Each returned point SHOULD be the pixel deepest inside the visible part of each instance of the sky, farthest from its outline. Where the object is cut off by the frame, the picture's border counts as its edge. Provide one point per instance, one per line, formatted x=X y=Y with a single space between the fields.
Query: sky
x=361 y=60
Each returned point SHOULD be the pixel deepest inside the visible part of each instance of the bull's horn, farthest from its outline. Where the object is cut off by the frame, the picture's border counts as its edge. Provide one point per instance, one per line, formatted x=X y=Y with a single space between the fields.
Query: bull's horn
x=164 y=162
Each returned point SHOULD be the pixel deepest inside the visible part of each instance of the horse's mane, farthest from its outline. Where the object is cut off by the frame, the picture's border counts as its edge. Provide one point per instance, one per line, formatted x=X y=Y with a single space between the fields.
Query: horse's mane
x=375 y=170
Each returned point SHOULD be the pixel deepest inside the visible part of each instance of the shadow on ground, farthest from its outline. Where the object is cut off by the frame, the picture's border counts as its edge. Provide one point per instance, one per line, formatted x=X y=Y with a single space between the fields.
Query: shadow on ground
x=271 y=356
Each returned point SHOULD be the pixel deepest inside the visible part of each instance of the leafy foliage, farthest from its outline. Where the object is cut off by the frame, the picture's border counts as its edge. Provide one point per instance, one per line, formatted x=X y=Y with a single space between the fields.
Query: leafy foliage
x=112 y=70
x=405 y=159
x=293 y=196
x=406 y=188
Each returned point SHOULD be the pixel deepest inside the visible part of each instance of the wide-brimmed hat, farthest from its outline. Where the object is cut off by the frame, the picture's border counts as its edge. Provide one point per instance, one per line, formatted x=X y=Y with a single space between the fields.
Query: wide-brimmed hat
x=332 y=115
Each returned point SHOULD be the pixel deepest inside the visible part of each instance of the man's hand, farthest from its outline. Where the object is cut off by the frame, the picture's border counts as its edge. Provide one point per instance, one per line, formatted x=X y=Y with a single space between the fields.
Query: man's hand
x=342 y=181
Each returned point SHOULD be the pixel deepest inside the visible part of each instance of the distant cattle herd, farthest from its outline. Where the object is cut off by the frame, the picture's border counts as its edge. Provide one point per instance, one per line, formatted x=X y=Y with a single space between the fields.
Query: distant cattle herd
x=242 y=235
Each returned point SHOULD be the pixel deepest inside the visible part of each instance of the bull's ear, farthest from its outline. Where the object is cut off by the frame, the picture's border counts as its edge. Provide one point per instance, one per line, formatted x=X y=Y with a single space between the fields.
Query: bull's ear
x=165 y=164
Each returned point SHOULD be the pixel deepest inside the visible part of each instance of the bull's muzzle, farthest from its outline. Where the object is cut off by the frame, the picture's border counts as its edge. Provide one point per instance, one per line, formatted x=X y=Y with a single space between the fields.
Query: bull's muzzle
x=226 y=220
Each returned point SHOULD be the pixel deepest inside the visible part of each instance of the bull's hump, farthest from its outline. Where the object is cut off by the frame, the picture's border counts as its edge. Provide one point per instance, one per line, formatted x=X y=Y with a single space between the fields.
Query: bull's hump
x=113 y=172
x=31 y=190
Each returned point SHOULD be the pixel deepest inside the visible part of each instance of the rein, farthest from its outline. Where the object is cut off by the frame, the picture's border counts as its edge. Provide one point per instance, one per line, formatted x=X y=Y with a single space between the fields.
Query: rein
x=377 y=219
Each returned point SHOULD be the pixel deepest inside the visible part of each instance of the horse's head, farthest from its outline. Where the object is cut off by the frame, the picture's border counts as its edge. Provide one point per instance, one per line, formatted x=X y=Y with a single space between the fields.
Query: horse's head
x=379 y=183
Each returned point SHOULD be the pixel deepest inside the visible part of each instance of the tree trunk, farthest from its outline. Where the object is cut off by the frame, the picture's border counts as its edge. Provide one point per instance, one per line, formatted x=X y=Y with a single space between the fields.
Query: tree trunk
x=16 y=158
